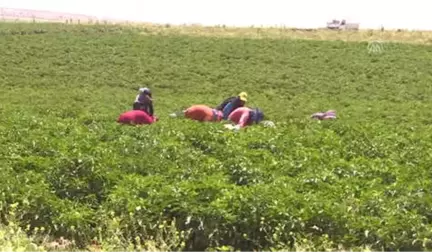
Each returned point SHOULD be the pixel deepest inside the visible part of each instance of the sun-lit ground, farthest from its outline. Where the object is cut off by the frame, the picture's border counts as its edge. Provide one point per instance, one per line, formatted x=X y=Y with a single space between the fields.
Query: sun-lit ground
x=422 y=37
x=419 y=37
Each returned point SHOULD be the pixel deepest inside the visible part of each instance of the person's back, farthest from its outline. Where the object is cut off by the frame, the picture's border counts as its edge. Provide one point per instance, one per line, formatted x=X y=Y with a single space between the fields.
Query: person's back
x=232 y=104
x=202 y=113
x=244 y=116
x=239 y=114
x=225 y=102
x=330 y=114
x=136 y=117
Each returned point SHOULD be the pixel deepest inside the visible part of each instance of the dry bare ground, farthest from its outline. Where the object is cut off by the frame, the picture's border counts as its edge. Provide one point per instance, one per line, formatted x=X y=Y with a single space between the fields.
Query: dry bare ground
x=420 y=37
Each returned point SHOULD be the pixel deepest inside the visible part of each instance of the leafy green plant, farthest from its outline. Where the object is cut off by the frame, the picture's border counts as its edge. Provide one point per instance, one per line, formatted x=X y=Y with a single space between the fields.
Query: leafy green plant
x=360 y=182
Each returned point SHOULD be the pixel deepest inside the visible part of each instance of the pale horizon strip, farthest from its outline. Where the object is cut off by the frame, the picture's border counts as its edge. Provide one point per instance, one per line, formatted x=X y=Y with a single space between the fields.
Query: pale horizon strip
x=370 y=14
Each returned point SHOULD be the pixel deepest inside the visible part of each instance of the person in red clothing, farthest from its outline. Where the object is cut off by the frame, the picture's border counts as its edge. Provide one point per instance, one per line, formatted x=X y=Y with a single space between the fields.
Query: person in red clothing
x=133 y=117
x=244 y=116
x=203 y=113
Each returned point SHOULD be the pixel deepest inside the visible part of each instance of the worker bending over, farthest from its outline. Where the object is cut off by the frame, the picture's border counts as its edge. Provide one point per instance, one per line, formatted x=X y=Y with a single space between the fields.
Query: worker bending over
x=203 y=113
x=133 y=117
x=244 y=116
x=232 y=103
x=328 y=115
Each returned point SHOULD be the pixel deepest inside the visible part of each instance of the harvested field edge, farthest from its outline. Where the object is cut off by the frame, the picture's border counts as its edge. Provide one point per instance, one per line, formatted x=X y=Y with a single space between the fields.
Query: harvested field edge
x=255 y=32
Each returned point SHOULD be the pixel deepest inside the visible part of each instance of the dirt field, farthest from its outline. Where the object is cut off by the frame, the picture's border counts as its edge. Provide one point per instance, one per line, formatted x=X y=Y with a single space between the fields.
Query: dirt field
x=421 y=37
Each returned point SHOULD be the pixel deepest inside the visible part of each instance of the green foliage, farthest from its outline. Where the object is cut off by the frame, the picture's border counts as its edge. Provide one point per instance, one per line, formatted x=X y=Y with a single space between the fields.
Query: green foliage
x=362 y=181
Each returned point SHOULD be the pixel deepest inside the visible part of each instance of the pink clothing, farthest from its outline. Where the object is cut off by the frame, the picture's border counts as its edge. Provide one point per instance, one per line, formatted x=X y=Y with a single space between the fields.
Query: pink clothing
x=136 y=117
x=240 y=116
x=330 y=114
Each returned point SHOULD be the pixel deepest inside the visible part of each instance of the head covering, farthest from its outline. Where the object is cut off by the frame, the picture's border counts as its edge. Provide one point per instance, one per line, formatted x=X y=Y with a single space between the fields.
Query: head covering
x=257 y=115
x=243 y=96
x=145 y=90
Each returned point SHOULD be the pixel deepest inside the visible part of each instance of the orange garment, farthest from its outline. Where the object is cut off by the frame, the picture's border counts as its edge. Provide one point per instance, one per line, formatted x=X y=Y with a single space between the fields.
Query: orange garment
x=240 y=116
x=203 y=113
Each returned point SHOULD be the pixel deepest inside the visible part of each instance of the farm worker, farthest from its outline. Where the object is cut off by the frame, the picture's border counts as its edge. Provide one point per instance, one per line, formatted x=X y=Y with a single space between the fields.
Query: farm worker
x=203 y=113
x=330 y=114
x=232 y=103
x=144 y=101
x=244 y=116
x=136 y=117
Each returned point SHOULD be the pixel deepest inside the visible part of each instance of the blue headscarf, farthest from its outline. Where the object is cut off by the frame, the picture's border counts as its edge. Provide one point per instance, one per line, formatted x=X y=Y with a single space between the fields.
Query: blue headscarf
x=257 y=115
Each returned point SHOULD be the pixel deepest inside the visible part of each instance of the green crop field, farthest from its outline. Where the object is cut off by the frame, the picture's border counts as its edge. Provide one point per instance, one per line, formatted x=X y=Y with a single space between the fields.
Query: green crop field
x=362 y=181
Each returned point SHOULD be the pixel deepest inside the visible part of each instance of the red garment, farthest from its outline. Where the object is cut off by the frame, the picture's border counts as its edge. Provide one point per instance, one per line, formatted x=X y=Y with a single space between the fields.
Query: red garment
x=136 y=117
x=240 y=116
